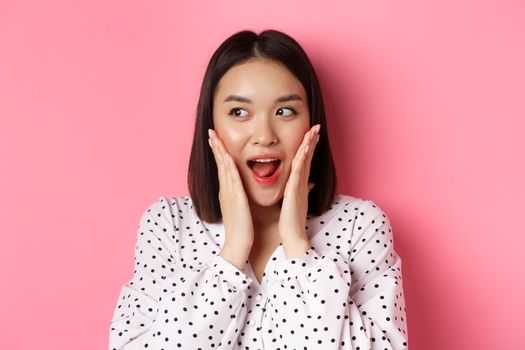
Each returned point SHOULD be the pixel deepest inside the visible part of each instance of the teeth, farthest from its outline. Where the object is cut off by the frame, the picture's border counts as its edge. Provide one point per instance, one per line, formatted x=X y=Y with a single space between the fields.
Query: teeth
x=265 y=160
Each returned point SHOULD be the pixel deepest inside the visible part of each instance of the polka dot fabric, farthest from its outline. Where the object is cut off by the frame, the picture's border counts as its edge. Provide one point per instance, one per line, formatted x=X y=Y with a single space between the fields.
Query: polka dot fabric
x=345 y=292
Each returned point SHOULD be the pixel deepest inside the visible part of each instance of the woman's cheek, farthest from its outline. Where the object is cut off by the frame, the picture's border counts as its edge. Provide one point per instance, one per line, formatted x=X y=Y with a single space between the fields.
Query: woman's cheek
x=228 y=139
x=298 y=142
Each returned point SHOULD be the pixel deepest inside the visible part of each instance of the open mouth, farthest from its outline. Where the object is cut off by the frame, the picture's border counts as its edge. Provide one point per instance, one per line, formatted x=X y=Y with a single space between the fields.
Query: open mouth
x=264 y=168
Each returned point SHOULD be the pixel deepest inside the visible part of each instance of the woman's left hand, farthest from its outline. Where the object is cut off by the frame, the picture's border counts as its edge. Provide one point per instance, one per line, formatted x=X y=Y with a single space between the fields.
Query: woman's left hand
x=294 y=207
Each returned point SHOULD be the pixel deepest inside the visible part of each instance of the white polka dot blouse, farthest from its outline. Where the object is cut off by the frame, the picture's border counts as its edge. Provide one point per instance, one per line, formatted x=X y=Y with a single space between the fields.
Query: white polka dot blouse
x=345 y=292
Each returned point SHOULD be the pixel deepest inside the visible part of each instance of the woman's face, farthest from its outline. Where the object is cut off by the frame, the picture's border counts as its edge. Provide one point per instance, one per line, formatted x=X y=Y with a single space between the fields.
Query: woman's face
x=259 y=108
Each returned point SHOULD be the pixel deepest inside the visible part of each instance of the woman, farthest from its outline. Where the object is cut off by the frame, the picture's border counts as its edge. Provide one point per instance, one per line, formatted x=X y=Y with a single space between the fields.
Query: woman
x=263 y=254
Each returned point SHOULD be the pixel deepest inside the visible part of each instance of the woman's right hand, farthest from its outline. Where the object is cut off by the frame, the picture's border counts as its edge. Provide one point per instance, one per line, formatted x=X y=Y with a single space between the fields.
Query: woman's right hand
x=236 y=214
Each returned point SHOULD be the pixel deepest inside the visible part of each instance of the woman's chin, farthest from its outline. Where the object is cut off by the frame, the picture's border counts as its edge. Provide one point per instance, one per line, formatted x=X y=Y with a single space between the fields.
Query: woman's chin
x=265 y=197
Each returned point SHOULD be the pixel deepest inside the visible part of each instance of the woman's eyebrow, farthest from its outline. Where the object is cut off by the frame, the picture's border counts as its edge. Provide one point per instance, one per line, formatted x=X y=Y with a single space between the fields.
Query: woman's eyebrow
x=291 y=97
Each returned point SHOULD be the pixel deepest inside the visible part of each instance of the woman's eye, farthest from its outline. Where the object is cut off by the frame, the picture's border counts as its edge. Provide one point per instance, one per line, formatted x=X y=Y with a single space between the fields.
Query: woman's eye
x=290 y=109
x=235 y=112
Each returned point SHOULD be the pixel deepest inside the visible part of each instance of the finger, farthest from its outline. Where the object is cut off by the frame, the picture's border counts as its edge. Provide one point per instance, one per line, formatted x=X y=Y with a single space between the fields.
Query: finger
x=235 y=185
x=227 y=158
x=213 y=144
x=232 y=172
x=314 y=133
x=307 y=136
x=310 y=156
x=215 y=152
x=236 y=181
x=230 y=167
x=218 y=157
x=227 y=162
x=303 y=163
x=310 y=137
x=236 y=177
x=297 y=166
x=301 y=156
x=312 y=145
x=232 y=176
x=304 y=143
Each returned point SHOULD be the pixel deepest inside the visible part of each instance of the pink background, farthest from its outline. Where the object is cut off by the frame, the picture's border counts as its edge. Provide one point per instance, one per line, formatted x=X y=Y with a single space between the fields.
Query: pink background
x=426 y=113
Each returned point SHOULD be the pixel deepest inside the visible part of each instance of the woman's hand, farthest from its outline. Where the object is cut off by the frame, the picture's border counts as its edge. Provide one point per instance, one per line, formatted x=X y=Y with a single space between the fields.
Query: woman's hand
x=236 y=214
x=294 y=208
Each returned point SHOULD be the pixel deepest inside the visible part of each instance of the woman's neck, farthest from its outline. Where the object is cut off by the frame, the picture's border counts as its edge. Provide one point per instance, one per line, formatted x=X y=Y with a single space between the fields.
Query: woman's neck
x=265 y=217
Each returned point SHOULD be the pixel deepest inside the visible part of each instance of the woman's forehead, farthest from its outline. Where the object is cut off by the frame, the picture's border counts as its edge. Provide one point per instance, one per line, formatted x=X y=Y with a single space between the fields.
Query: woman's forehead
x=258 y=81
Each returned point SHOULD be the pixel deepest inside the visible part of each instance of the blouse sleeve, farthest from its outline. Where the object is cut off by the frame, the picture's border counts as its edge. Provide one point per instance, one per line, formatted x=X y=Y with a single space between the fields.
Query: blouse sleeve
x=329 y=302
x=167 y=304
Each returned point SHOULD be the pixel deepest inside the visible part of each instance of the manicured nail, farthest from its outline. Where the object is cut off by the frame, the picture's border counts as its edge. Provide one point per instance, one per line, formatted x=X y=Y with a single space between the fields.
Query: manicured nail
x=209 y=133
x=317 y=128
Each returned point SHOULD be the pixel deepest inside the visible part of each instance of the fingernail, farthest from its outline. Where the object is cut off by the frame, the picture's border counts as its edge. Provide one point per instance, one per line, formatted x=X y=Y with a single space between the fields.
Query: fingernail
x=317 y=128
x=209 y=133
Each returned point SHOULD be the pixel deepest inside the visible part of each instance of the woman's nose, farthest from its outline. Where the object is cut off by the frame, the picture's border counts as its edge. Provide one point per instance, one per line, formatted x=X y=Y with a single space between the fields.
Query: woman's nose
x=264 y=134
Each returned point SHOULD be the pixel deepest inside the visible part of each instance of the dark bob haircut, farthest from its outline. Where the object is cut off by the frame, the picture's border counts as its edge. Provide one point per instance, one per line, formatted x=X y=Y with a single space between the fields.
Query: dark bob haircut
x=203 y=180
